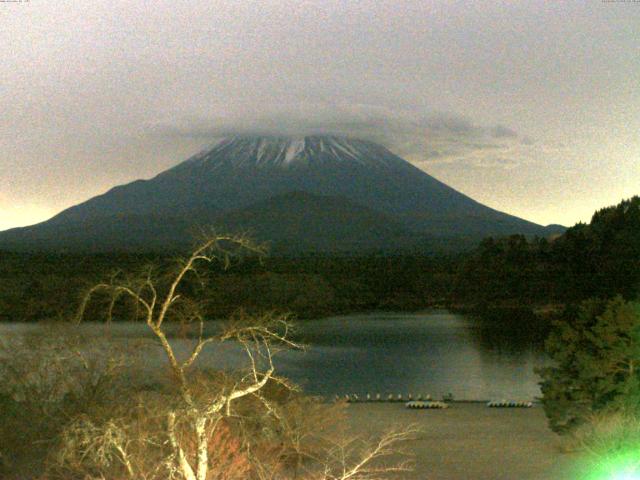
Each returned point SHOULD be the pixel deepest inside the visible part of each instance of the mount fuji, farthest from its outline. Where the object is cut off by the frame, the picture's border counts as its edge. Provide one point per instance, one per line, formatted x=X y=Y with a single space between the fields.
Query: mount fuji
x=308 y=193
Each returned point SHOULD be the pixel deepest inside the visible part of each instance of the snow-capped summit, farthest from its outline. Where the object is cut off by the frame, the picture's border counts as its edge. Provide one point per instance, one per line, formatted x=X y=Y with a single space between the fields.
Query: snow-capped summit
x=288 y=151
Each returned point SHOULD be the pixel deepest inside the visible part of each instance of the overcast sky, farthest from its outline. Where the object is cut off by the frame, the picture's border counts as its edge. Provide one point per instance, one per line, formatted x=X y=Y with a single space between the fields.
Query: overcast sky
x=530 y=107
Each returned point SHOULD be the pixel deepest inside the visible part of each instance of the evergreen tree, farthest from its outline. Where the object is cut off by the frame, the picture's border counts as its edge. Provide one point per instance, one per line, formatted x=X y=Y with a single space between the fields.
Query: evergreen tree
x=596 y=354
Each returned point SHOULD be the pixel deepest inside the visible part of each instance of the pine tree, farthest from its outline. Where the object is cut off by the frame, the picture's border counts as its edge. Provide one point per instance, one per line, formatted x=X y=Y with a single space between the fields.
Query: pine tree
x=595 y=351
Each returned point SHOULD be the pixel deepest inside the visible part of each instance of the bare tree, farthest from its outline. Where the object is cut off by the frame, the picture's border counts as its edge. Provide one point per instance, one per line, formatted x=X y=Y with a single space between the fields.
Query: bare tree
x=355 y=459
x=260 y=340
x=192 y=422
x=350 y=458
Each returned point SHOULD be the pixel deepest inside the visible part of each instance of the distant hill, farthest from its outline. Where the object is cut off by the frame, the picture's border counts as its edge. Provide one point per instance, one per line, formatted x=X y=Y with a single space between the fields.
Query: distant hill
x=300 y=221
x=313 y=193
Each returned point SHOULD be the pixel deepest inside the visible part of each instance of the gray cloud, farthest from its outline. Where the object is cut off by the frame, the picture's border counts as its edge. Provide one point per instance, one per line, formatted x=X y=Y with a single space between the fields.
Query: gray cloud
x=438 y=137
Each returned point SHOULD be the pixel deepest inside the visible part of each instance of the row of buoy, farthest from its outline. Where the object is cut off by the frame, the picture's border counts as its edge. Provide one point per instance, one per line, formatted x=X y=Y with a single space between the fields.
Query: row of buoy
x=428 y=404
x=424 y=401
x=354 y=398
x=506 y=404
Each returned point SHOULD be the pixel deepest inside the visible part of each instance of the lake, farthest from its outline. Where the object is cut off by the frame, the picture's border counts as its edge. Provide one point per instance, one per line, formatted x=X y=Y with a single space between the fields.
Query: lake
x=433 y=353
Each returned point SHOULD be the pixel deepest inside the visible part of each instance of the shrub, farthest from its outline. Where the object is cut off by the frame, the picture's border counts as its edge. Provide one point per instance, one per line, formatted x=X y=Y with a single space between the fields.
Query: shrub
x=608 y=442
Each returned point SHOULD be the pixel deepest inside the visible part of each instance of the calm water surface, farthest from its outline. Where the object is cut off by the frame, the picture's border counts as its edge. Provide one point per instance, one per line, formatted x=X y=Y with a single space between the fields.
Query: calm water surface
x=432 y=353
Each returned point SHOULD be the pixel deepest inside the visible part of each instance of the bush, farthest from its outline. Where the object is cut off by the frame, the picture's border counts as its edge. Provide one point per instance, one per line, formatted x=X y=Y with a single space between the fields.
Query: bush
x=48 y=377
x=608 y=442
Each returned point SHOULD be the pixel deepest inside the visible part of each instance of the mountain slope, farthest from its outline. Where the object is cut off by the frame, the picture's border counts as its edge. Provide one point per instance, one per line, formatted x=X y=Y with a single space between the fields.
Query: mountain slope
x=300 y=221
x=247 y=171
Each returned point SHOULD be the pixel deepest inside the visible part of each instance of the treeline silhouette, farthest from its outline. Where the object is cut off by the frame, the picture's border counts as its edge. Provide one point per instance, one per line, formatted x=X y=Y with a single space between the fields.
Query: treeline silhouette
x=600 y=259
x=514 y=274
x=42 y=286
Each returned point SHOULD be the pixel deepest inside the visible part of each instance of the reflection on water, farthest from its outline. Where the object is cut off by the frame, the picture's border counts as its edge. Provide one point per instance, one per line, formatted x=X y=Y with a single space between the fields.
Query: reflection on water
x=431 y=353
x=509 y=330
x=428 y=353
